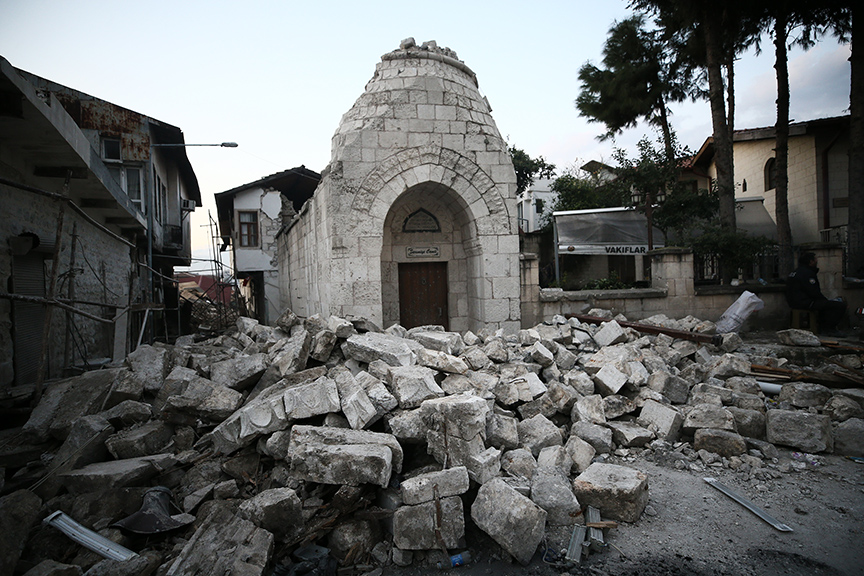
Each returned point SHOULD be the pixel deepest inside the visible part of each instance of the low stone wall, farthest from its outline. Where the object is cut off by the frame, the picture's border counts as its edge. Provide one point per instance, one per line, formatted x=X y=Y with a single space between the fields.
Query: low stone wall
x=674 y=293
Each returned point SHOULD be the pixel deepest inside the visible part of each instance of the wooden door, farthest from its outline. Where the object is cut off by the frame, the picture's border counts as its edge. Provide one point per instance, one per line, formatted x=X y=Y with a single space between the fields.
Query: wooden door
x=423 y=294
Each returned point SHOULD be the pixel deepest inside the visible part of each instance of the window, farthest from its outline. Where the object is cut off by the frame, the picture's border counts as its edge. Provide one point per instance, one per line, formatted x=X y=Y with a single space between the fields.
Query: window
x=771 y=174
x=133 y=188
x=538 y=205
x=248 y=229
x=111 y=150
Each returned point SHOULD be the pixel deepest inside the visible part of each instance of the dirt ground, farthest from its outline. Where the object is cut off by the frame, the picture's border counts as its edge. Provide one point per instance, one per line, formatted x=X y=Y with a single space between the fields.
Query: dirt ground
x=689 y=527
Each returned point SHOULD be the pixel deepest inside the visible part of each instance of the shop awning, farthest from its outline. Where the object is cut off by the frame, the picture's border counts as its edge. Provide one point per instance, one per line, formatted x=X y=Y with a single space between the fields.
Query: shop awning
x=624 y=231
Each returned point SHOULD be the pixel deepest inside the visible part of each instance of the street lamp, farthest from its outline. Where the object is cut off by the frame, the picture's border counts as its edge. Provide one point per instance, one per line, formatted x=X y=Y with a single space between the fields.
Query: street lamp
x=181 y=145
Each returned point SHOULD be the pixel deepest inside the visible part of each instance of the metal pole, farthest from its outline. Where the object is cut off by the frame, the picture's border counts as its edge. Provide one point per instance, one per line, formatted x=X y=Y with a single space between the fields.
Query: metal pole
x=67 y=349
x=557 y=266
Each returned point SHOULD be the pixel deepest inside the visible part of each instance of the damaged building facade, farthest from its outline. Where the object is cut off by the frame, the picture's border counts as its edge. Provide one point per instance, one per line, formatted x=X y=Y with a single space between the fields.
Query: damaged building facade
x=96 y=201
x=415 y=218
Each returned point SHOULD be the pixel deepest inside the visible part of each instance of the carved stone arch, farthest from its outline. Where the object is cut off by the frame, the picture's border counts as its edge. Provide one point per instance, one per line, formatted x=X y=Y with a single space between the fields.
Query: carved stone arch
x=485 y=205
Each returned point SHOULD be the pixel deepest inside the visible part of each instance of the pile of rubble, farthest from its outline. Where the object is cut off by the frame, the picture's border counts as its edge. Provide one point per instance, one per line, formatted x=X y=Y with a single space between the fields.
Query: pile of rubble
x=326 y=440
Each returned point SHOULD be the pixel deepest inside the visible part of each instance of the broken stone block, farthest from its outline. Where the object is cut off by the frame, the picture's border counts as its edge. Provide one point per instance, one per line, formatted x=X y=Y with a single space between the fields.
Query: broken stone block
x=224 y=543
x=84 y=445
x=277 y=510
x=456 y=428
x=496 y=350
x=352 y=465
x=541 y=355
x=620 y=493
x=748 y=401
x=722 y=442
x=441 y=361
x=676 y=389
x=475 y=358
x=579 y=381
x=801 y=430
x=298 y=396
x=322 y=435
x=542 y=405
x=551 y=491
x=528 y=337
x=598 y=436
x=589 y=409
x=103 y=476
x=447 y=342
x=354 y=538
x=519 y=462
x=412 y=385
x=401 y=557
x=805 y=394
x=322 y=345
x=378 y=394
x=293 y=353
x=356 y=405
x=580 y=452
x=708 y=416
x=414 y=527
x=201 y=399
x=239 y=373
x=615 y=406
x=704 y=397
x=559 y=333
x=502 y=431
x=407 y=426
x=637 y=374
x=743 y=385
x=51 y=568
x=538 y=432
x=420 y=489
x=609 y=380
x=151 y=364
x=724 y=394
x=555 y=457
x=485 y=465
x=841 y=408
x=750 y=423
x=849 y=438
x=609 y=334
x=128 y=413
x=225 y=490
x=728 y=365
x=341 y=327
x=564 y=358
x=515 y=522
x=630 y=435
x=19 y=511
x=144 y=440
x=127 y=386
x=528 y=386
x=64 y=401
x=373 y=346
x=562 y=396
x=795 y=337
x=665 y=421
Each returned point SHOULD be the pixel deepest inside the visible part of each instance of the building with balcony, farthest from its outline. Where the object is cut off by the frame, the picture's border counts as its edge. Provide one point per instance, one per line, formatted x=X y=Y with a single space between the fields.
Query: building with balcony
x=96 y=201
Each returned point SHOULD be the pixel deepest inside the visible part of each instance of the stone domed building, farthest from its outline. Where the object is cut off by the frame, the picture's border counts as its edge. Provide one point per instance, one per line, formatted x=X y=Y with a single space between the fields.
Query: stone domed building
x=414 y=220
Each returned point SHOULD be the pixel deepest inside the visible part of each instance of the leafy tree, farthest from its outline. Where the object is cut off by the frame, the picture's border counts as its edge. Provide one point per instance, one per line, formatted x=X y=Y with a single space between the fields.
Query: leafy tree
x=712 y=34
x=577 y=189
x=652 y=181
x=527 y=168
x=638 y=80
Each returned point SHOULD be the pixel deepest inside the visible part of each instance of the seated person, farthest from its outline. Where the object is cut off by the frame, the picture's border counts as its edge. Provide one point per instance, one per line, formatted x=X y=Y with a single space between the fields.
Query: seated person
x=803 y=293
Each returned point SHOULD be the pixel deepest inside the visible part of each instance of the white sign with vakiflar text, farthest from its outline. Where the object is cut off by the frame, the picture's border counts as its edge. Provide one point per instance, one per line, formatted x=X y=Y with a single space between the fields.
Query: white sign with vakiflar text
x=423 y=252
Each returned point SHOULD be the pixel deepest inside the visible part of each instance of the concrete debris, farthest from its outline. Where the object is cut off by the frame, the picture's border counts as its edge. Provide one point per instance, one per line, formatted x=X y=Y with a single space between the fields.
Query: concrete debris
x=377 y=443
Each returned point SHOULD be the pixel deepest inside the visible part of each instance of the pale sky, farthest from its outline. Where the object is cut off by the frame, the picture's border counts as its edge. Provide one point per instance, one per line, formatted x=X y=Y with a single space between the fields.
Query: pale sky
x=277 y=76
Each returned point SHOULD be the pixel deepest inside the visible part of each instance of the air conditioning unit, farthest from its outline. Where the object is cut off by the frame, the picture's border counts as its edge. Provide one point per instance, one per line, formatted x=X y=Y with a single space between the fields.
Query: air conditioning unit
x=187 y=205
